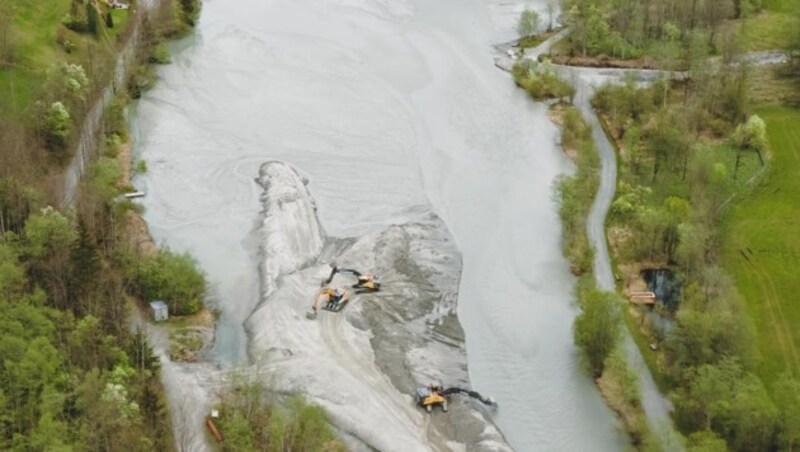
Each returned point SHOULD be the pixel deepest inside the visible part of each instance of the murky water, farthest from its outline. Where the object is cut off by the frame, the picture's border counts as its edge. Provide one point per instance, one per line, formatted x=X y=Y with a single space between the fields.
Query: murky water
x=385 y=106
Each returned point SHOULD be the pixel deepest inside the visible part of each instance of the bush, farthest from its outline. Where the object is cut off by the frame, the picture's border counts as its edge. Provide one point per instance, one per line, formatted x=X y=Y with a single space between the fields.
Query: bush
x=91 y=18
x=597 y=329
x=528 y=23
x=115 y=121
x=160 y=55
x=141 y=167
x=253 y=420
x=576 y=193
x=174 y=278
x=57 y=126
x=113 y=144
x=541 y=82
x=74 y=23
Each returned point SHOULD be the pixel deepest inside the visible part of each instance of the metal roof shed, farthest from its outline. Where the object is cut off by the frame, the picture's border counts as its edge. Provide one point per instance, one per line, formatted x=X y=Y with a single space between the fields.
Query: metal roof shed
x=159 y=310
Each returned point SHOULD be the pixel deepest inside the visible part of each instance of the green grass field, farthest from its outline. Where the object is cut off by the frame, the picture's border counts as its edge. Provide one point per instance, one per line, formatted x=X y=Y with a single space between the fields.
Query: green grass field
x=35 y=26
x=771 y=29
x=762 y=248
x=768 y=30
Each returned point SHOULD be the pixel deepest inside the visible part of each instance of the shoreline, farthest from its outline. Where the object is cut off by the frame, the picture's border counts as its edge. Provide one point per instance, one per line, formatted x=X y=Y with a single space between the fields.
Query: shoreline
x=654 y=406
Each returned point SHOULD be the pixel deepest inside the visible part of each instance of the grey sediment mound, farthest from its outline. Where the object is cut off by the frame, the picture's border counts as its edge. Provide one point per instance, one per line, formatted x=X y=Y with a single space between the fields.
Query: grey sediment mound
x=364 y=363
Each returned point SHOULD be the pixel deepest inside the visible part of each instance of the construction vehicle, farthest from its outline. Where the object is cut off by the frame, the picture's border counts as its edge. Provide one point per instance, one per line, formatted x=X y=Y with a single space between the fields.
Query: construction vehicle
x=365 y=282
x=329 y=299
x=434 y=394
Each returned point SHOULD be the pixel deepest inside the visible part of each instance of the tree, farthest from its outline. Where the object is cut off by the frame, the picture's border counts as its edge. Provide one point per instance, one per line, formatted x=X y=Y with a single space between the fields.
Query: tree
x=174 y=278
x=598 y=32
x=49 y=238
x=85 y=263
x=57 y=126
x=691 y=249
x=597 y=328
x=750 y=136
x=551 y=10
x=71 y=79
x=787 y=399
x=191 y=9
x=528 y=23
x=109 y=20
x=48 y=233
x=7 y=47
x=677 y=211
x=104 y=177
x=17 y=201
x=753 y=416
x=12 y=275
x=91 y=17
x=708 y=392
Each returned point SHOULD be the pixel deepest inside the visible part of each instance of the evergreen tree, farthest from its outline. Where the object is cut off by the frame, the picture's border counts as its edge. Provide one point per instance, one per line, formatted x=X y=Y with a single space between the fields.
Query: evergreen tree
x=91 y=18
x=84 y=263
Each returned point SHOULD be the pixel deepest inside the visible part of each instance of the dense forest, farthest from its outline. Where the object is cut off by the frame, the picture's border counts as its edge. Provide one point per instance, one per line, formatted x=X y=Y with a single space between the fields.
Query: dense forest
x=73 y=375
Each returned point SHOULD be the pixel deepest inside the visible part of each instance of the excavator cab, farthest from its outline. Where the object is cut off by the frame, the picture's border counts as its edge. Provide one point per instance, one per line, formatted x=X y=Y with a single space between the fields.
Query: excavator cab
x=430 y=396
x=335 y=299
x=434 y=394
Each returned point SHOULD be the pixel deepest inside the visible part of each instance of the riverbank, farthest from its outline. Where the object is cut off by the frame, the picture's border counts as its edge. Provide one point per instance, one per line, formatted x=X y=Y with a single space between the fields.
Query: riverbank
x=617 y=384
x=665 y=222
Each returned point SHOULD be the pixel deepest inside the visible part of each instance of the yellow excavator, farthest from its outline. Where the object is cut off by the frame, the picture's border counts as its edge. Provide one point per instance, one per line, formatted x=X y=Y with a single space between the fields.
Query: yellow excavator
x=365 y=282
x=334 y=301
x=434 y=394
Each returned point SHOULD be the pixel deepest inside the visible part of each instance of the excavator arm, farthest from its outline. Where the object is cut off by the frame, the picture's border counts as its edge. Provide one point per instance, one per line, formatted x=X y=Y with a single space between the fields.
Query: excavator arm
x=474 y=394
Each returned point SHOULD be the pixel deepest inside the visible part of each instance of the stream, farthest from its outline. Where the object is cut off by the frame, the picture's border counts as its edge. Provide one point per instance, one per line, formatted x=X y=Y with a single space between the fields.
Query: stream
x=388 y=108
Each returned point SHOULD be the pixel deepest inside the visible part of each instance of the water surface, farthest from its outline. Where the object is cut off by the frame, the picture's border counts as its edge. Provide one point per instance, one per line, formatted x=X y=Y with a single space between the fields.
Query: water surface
x=385 y=106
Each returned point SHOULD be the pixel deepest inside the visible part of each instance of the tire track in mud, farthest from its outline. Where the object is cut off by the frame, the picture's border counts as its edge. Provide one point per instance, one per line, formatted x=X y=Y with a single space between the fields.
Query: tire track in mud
x=350 y=357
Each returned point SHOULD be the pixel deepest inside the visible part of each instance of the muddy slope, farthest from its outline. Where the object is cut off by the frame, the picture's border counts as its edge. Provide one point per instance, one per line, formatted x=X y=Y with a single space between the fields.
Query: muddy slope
x=363 y=363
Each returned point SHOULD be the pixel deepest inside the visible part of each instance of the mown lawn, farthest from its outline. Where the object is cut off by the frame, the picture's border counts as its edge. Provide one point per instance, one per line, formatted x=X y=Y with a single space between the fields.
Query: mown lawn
x=762 y=248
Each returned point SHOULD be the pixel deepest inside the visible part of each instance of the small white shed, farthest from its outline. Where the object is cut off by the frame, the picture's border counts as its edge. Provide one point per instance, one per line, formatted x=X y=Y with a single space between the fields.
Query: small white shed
x=159 y=310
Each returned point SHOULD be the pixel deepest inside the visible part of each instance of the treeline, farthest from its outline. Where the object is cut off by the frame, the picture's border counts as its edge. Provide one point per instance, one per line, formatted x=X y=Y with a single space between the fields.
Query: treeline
x=576 y=192
x=687 y=149
x=253 y=418
x=72 y=374
x=664 y=29
x=598 y=328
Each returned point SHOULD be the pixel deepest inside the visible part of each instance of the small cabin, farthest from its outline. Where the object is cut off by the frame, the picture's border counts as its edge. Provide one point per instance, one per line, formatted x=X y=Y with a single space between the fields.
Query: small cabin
x=159 y=310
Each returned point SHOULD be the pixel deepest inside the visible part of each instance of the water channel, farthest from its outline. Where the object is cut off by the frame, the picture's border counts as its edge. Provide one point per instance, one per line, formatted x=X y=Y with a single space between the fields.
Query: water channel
x=387 y=106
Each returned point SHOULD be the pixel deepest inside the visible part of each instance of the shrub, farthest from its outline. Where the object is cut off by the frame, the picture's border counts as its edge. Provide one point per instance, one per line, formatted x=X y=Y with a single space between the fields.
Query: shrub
x=57 y=126
x=528 y=23
x=160 y=55
x=91 y=18
x=597 y=329
x=541 y=82
x=74 y=23
x=141 y=167
x=253 y=420
x=174 y=278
